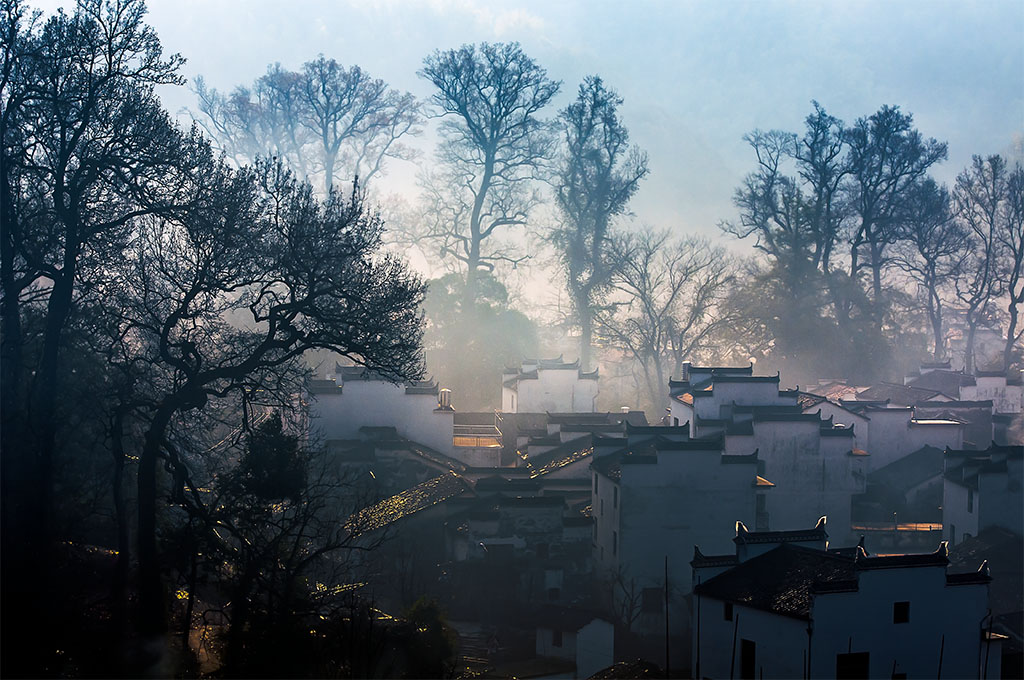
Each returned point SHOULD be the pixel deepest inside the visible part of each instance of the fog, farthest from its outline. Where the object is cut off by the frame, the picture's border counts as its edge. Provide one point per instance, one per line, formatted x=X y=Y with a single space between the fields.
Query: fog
x=457 y=339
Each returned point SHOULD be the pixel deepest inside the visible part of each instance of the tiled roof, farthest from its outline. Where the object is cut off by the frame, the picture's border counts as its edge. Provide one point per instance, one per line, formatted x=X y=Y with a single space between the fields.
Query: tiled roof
x=903 y=395
x=609 y=466
x=560 y=456
x=702 y=560
x=939 y=558
x=781 y=580
x=809 y=400
x=945 y=381
x=910 y=470
x=743 y=535
x=406 y=503
x=629 y=669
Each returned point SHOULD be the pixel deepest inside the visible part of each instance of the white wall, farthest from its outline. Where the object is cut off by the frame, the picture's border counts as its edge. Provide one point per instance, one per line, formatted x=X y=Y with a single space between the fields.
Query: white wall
x=556 y=389
x=376 y=403
x=1005 y=398
x=779 y=641
x=595 y=648
x=863 y=621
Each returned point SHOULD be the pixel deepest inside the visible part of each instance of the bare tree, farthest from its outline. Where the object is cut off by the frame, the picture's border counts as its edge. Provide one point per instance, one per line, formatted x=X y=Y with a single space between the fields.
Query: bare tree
x=326 y=120
x=931 y=251
x=492 y=147
x=1011 y=237
x=671 y=293
x=980 y=196
x=597 y=173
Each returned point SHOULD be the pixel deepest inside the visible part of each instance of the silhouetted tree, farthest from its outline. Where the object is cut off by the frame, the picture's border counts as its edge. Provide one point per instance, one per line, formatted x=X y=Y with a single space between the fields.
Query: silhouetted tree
x=226 y=299
x=930 y=250
x=887 y=158
x=670 y=306
x=1011 y=238
x=325 y=120
x=492 y=147
x=980 y=194
x=596 y=175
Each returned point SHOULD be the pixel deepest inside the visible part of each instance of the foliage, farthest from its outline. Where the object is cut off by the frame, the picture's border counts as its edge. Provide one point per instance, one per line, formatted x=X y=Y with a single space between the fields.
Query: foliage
x=467 y=348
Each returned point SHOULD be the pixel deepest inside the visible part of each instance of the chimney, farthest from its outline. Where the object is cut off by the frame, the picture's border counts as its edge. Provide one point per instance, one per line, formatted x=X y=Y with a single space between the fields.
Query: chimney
x=624 y=409
x=685 y=375
x=445 y=398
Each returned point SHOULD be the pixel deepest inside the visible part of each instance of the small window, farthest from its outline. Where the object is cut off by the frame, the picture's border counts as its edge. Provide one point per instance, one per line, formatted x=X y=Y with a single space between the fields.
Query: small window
x=615 y=543
x=615 y=496
x=675 y=421
x=650 y=601
x=970 y=500
x=901 y=612
x=728 y=611
x=556 y=638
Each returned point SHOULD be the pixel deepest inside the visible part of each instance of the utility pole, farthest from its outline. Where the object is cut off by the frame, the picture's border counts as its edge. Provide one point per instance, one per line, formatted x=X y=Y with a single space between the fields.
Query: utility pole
x=667 y=671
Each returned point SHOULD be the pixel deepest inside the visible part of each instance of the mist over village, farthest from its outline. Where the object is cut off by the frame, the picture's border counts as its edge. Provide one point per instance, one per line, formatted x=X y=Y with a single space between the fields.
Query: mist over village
x=465 y=339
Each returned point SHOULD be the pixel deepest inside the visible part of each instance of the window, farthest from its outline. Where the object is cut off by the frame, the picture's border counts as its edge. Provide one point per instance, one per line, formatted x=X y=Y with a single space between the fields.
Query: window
x=554 y=594
x=970 y=500
x=615 y=543
x=556 y=638
x=748 y=659
x=650 y=600
x=602 y=507
x=675 y=421
x=901 y=612
x=615 y=496
x=852 y=666
x=728 y=611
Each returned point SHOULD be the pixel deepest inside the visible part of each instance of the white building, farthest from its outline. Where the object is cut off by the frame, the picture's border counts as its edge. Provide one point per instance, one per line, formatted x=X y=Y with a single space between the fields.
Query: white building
x=581 y=638
x=1005 y=390
x=354 y=398
x=982 y=489
x=784 y=606
x=653 y=499
x=548 y=385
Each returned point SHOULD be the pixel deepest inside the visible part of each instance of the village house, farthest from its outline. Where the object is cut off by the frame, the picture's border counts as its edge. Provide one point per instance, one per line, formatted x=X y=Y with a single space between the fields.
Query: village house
x=540 y=385
x=650 y=500
x=354 y=397
x=784 y=605
x=583 y=638
x=982 y=489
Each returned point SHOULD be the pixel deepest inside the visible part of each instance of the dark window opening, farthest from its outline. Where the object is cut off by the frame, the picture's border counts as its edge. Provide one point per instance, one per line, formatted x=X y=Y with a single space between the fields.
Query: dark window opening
x=554 y=594
x=595 y=483
x=853 y=666
x=748 y=659
x=556 y=638
x=728 y=611
x=615 y=496
x=970 y=500
x=901 y=612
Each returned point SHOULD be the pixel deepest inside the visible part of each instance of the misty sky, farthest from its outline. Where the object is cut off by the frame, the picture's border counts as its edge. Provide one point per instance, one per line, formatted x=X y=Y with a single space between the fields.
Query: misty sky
x=695 y=76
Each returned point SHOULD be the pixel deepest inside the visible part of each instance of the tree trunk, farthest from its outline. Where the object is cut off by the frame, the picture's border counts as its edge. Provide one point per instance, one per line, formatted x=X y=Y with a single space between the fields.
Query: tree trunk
x=586 y=335
x=972 y=327
x=151 y=593
x=1010 y=332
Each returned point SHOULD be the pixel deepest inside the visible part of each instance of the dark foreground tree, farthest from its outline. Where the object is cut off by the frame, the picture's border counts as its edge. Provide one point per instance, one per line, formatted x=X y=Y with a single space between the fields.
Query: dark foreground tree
x=597 y=173
x=492 y=147
x=226 y=299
